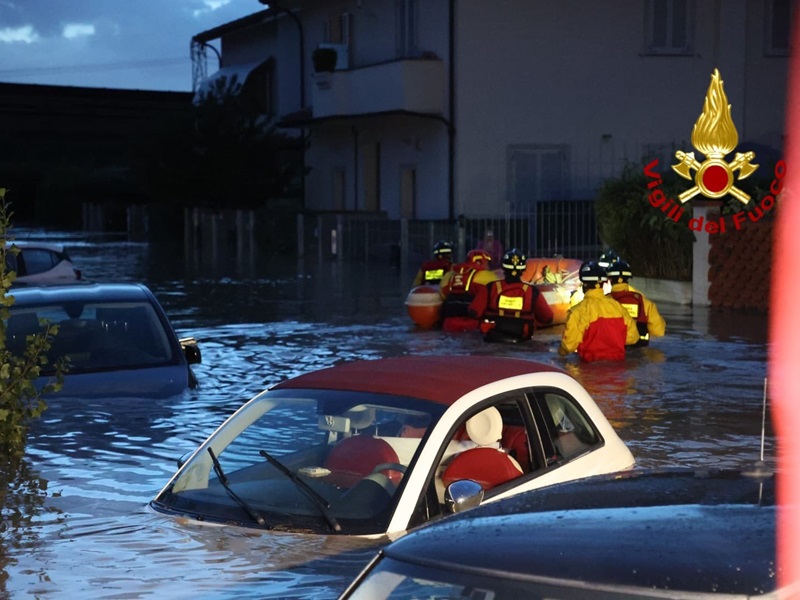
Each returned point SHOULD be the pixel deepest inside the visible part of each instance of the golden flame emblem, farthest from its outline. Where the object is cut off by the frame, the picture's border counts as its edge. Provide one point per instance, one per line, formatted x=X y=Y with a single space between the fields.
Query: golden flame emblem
x=715 y=135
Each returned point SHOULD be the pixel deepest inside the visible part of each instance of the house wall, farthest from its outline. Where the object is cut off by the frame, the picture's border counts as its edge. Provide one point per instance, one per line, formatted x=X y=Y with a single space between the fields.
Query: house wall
x=277 y=39
x=543 y=73
x=404 y=143
x=567 y=83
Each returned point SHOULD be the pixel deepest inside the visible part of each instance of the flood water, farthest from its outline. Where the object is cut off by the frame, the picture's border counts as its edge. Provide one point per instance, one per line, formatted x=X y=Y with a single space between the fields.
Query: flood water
x=75 y=516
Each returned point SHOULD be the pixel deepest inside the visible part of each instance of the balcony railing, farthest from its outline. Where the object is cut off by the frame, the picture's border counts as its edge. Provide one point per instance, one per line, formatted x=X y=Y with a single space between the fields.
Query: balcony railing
x=413 y=85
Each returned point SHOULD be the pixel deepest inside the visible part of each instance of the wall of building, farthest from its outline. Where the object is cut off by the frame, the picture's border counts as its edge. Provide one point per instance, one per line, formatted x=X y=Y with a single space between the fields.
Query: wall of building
x=45 y=130
x=575 y=74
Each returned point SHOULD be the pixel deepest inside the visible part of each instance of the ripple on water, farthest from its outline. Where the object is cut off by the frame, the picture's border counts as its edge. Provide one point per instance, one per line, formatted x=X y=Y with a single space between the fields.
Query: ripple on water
x=79 y=504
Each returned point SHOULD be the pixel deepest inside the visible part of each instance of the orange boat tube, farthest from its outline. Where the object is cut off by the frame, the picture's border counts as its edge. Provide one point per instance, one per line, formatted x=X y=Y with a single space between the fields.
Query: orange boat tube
x=557 y=279
x=424 y=306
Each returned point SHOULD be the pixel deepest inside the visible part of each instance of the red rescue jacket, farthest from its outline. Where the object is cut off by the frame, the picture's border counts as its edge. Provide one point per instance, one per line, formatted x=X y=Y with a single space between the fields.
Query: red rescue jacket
x=433 y=270
x=634 y=304
x=511 y=310
x=604 y=339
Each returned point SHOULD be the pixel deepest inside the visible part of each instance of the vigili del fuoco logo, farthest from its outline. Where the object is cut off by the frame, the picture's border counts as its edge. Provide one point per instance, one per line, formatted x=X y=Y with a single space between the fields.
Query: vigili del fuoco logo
x=714 y=135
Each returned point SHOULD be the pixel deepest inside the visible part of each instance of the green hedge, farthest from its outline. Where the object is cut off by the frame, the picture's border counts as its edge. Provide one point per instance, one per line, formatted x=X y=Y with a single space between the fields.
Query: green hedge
x=654 y=245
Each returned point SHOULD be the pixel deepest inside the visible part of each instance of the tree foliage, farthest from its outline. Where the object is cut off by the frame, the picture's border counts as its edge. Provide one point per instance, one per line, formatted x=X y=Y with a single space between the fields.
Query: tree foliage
x=21 y=400
x=223 y=154
x=654 y=245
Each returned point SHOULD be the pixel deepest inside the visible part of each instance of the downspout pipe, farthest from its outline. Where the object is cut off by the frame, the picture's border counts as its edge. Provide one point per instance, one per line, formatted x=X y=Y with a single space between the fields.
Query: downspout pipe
x=301 y=44
x=302 y=72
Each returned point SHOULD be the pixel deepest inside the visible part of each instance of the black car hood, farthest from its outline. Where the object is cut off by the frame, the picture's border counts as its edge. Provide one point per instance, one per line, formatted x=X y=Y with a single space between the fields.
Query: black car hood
x=688 y=531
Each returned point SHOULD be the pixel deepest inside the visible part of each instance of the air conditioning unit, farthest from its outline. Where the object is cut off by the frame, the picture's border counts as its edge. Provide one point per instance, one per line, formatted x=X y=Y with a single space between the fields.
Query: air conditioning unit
x=342 y=54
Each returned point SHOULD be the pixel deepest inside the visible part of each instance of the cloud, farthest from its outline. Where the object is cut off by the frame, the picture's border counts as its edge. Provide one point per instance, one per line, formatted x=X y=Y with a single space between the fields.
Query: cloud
x=210 y=6
x=76 y=30
x=138 y=44
x=24 y=34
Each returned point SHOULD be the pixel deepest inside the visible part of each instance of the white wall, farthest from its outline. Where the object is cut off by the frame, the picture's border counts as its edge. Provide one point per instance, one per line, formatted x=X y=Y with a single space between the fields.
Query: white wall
x=417 y=144
x=570 y=72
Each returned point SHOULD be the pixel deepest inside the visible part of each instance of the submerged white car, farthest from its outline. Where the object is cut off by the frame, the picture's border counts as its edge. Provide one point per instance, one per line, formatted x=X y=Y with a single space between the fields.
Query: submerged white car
x=371 y=447
x=40 y=263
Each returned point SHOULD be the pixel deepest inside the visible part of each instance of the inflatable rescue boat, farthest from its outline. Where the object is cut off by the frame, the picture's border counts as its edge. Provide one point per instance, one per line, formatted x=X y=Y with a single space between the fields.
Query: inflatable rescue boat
x=556 y=278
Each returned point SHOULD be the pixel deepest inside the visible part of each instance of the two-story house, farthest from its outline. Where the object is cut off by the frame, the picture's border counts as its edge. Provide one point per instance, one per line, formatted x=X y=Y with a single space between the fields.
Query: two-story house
x=442 y=108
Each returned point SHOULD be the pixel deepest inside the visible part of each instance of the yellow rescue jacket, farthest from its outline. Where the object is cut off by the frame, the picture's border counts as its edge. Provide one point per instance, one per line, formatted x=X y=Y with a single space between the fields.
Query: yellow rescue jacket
x=594 y=306
x=656 y=325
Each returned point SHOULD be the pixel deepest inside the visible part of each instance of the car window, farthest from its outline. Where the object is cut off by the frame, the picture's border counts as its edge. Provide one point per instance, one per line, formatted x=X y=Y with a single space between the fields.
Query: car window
x=37 y=260
x=11 y=263
x=96 y=336
x=489 y=445
x=347 y=447
x=571 y=433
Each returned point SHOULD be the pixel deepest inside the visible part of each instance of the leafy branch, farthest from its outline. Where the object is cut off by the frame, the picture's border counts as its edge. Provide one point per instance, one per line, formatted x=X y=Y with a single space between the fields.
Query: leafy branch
x=21 y=394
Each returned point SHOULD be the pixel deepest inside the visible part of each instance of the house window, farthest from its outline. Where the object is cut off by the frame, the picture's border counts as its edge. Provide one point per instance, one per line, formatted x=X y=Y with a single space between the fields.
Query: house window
x=537 y=173
x=338 y=188
x=408 y=192
x=338 y=35
x=372 y=176
x=406 y=17
x=337 y=29
x=259 y=88
x=777 y=27
x=665 y=153
x=668 y=27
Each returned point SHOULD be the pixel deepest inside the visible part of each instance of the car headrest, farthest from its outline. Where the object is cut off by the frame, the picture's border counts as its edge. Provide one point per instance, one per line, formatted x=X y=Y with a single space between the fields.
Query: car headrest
x=485 y=428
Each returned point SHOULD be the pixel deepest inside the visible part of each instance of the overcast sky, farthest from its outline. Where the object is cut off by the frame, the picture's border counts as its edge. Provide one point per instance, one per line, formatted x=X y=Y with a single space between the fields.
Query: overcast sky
x=130 y=44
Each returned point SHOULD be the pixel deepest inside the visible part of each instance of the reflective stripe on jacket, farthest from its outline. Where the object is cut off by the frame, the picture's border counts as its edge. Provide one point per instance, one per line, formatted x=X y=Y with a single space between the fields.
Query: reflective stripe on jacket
x=649 y=320
x=604 y=341
x=633 y=302
x=432 y=271
x=459 y=287
x=513 y=308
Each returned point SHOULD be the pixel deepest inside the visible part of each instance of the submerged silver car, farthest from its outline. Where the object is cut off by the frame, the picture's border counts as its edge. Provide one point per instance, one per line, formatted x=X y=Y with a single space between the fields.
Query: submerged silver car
x=116 y=338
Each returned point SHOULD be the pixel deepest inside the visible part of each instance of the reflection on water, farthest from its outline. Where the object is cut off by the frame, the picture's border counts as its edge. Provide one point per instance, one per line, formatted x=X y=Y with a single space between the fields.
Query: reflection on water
x=75 y=521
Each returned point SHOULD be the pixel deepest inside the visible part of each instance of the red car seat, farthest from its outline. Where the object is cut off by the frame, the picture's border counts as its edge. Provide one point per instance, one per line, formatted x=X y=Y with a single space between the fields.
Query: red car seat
x=356 y=457
x=489 y=467
x=515 y=439
x=486 y=464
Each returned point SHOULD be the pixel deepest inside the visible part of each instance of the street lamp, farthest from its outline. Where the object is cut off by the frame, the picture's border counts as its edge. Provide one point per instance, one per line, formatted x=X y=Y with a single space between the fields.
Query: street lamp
x=297 y=22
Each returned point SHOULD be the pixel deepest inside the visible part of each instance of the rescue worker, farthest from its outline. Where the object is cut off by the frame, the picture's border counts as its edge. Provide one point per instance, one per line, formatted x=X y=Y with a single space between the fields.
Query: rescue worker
x=459 y=287
x=598 y=327
x=649 y=321
x=492 y=245
x=432 y=271
x=509 y=309
x=607 y=258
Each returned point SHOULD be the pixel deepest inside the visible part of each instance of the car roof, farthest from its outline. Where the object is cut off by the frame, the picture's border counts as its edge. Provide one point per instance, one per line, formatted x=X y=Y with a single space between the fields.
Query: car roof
x=442 y=379
x=87 y=292
x=683 y=530
x=34 y=244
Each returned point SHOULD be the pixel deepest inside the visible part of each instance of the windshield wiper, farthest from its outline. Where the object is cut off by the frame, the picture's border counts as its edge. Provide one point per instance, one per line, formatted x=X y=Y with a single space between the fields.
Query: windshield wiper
x=316 y=497
x=224 y=482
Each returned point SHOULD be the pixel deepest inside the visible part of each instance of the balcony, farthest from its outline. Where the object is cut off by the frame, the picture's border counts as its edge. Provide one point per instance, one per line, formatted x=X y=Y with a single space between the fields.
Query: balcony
x=413 y=85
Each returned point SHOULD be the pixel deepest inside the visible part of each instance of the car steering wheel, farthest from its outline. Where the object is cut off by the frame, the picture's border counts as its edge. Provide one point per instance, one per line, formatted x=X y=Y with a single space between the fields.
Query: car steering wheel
x=389 y=466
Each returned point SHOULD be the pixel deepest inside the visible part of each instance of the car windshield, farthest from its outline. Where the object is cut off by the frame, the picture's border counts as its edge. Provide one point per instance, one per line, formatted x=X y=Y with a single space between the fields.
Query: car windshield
x=94 y=336
x=305 y=460
x=398 y=580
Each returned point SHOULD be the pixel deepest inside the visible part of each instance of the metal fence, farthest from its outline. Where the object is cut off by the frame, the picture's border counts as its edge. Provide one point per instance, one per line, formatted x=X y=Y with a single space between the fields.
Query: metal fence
x=566 y=228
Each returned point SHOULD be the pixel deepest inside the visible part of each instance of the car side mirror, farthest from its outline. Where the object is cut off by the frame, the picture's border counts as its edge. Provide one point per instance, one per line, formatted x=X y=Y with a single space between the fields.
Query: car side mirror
x=184 y=457
x=191 y=350
x=462 y=495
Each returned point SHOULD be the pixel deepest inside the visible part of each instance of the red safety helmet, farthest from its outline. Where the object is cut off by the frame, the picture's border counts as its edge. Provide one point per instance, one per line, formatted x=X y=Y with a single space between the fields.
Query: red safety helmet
x=479 y=256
